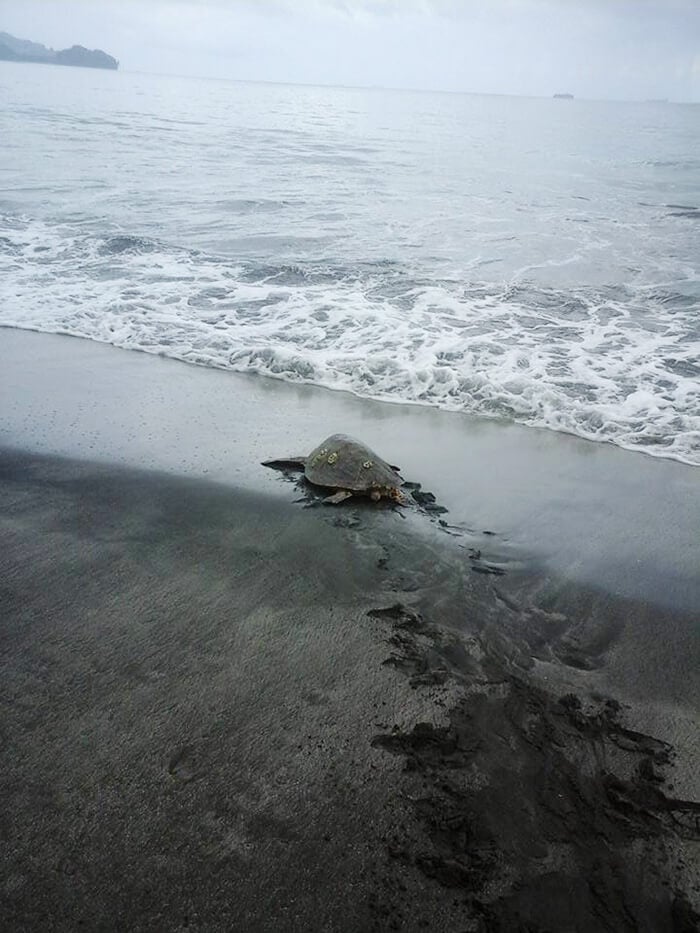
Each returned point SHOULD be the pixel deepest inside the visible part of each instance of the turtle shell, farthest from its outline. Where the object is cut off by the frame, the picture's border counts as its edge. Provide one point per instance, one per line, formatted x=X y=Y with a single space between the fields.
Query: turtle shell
x=341 y=462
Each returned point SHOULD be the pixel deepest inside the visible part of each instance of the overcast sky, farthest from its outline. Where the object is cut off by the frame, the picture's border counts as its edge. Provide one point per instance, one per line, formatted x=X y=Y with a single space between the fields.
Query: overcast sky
x=592 y=48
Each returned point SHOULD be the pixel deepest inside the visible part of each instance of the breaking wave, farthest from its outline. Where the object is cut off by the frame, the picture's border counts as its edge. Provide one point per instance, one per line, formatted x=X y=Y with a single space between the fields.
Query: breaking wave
x=614 y=364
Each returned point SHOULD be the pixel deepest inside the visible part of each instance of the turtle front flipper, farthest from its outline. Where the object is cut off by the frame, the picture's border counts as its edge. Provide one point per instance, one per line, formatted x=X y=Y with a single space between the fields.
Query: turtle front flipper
x=286 y=463
x=338 y=497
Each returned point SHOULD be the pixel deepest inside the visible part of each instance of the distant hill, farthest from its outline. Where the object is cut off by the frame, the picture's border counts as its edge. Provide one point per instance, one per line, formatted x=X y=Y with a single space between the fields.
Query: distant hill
x=13 y=49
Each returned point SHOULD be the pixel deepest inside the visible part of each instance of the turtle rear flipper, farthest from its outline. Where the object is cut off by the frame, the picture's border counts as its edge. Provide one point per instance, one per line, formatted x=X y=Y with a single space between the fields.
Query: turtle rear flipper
x=286 y=463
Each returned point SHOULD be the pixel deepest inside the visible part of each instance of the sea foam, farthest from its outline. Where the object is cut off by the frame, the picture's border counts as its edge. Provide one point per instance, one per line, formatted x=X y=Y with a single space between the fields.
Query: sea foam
x=617 y=364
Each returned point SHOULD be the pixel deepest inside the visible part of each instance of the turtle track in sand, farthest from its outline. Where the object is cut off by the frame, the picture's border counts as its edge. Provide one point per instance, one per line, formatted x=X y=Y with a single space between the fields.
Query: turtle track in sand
x=529 y=807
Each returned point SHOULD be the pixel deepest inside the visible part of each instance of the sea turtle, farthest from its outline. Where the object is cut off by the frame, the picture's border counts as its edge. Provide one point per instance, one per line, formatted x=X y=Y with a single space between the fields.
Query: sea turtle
x=347 y=466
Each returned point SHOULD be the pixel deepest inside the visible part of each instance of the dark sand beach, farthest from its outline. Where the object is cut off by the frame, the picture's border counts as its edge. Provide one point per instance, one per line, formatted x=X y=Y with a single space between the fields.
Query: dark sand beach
x=228 y=707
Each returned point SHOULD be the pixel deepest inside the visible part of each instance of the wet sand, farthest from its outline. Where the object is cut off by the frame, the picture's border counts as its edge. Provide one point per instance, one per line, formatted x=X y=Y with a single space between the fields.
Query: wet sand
x=230 y=709
x=592 y=512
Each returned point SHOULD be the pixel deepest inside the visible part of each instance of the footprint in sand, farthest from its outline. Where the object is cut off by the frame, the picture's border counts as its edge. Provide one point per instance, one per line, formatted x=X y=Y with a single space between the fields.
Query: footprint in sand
x=181 y=765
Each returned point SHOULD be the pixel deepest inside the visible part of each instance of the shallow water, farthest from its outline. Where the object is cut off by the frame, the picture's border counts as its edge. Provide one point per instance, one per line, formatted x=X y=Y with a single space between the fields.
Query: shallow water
x=532 y=260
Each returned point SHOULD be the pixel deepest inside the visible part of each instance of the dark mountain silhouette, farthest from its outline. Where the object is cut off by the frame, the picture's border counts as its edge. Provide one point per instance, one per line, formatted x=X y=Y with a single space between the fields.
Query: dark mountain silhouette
x=13 y=49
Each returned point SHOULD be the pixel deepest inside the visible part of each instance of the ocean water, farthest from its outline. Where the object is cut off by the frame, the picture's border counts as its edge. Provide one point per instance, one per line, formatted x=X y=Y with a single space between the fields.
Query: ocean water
x=525 y=259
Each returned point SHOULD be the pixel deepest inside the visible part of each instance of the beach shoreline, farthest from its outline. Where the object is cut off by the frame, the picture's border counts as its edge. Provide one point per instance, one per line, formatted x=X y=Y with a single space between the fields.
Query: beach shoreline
x=605 y=517
x=228 y=707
